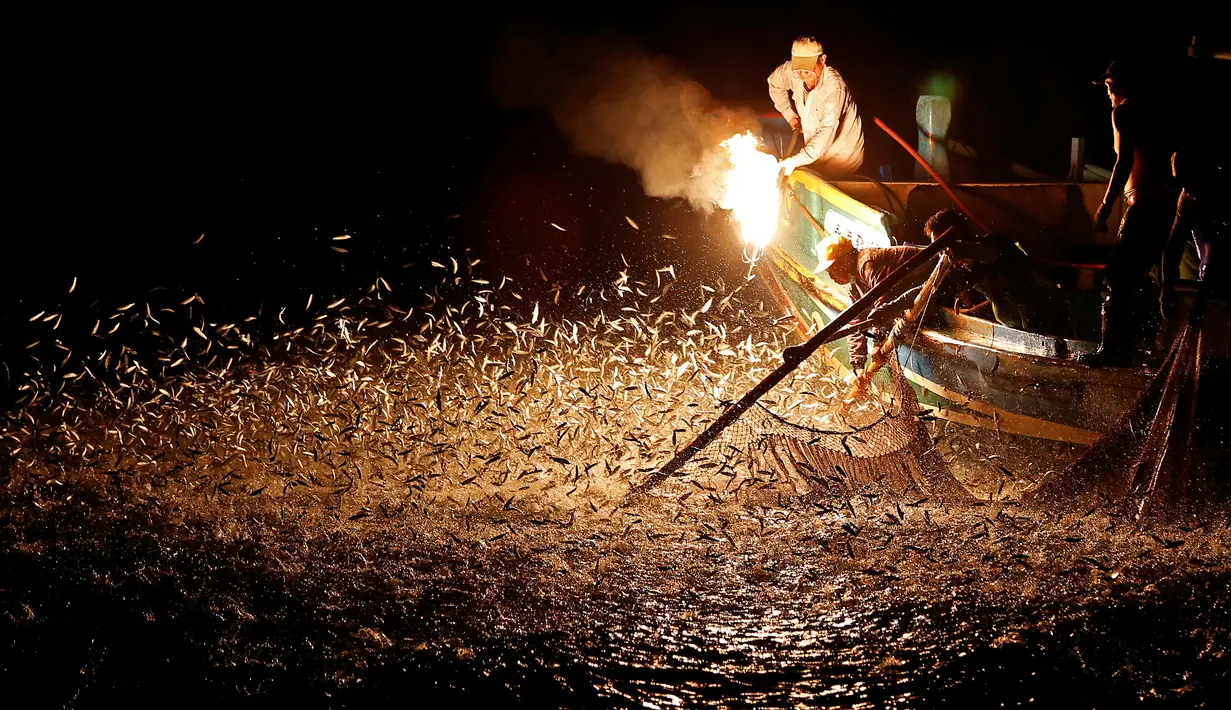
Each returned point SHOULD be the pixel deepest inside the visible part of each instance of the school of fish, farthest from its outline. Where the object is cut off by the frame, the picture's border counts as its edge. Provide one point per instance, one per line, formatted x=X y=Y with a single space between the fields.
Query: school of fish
x=475 y=425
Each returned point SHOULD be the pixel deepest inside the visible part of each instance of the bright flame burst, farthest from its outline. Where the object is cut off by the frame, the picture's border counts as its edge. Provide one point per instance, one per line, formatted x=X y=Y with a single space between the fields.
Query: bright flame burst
x=750 y=191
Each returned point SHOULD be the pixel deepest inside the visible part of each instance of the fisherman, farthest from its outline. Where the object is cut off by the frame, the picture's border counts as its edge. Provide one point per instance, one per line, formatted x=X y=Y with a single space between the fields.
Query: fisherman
x=991 y=265
x=860 y=270
x=1202 y=214
x=813 y=98
x=997 y=267
x=1142 y=174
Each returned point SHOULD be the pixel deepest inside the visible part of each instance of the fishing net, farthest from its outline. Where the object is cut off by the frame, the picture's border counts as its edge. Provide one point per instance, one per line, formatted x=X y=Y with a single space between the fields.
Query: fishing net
x=881 y=448
x=866 y=448
x=1145 y=464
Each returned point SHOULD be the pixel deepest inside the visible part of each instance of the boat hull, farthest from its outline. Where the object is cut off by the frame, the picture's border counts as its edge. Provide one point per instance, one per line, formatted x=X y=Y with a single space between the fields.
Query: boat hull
x=968 y=369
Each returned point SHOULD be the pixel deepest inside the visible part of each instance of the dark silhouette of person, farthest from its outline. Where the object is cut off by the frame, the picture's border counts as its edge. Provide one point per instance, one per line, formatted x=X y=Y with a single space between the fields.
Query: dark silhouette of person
x=997 y=267
x=1202 y=215
x=1142 y=174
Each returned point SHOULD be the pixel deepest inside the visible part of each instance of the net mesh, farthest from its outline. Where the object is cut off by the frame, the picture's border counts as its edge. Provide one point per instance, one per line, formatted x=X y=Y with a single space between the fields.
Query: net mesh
x=871 y=449
x=1145 y=465
x=884 y=448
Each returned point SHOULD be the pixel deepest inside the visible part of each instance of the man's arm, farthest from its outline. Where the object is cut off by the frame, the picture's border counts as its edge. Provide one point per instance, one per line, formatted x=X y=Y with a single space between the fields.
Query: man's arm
x=874 y=267
x=1123 y=133
x=780 y=93
x=887 y=312
x=1181 y=232
x=856 y=343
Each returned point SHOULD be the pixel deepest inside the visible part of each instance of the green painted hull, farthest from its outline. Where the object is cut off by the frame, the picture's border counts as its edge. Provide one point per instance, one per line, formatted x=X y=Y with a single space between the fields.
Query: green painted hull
x=967 y=369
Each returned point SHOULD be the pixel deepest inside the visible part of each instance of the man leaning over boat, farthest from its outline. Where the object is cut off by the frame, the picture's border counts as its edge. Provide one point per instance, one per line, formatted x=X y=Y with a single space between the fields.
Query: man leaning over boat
x=992 y=265
x=997 y=267
x=814 y=99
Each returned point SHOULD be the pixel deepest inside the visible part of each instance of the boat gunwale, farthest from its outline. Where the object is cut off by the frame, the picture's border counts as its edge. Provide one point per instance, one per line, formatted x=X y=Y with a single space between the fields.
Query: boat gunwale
x=794 y=272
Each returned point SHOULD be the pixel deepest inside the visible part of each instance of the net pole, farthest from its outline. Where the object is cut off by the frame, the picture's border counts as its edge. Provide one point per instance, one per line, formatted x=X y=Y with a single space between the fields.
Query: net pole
x=886 y=349
x=767 y=275
x=792 y=358
x=820 y=228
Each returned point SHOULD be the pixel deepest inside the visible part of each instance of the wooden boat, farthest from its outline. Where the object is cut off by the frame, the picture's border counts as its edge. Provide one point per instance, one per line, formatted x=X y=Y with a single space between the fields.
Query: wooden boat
x=965 y=368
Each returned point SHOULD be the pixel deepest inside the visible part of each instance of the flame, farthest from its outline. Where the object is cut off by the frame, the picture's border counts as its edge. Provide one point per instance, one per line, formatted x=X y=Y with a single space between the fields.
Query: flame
x=750 y=190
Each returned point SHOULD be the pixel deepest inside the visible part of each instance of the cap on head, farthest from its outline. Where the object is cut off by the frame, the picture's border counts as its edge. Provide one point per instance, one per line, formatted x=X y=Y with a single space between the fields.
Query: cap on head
x=832 y=248
x=1121 y=72
x=804 y=53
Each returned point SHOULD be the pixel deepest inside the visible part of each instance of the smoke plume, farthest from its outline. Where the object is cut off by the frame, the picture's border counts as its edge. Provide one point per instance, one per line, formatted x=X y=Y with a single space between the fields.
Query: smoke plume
x=616 y=102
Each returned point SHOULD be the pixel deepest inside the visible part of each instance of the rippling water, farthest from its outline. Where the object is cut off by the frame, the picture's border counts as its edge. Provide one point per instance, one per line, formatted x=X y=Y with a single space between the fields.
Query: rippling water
x=263 y=609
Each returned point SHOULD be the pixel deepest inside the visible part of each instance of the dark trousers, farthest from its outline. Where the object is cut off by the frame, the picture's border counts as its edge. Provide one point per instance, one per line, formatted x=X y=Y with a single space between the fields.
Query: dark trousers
x=1130 y=309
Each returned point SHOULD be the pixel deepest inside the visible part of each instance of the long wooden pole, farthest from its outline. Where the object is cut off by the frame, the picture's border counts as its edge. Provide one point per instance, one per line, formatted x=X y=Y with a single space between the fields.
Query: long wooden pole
x=943 y=185
x=791 y=359
x=791 y=148
x=820 y=228
x=887 y=349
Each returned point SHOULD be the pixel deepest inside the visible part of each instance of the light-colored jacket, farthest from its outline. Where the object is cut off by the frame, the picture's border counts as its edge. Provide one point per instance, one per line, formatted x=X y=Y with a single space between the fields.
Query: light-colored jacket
x=833 y=133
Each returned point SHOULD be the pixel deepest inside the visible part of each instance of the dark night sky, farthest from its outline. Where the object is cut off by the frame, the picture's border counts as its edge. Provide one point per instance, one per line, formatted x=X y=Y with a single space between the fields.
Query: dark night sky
x=272 y=134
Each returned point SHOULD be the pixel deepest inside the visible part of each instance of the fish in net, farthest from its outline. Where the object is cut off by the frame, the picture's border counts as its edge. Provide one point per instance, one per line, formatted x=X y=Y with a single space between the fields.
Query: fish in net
x=887 y=450
x=1145 y=465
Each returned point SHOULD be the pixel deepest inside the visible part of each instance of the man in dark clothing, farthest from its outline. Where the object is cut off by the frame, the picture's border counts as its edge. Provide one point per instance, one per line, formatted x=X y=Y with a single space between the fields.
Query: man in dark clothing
x=860 y=271
x=997 y=267
x=1203 y=215
x=992 y=265
x=1143 y=174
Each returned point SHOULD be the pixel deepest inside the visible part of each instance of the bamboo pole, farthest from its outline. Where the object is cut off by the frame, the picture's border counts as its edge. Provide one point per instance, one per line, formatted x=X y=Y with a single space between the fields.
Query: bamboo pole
x=791 y=148
x=791 y=359
x=820 y=228
x=886 y=349
x=766 y=274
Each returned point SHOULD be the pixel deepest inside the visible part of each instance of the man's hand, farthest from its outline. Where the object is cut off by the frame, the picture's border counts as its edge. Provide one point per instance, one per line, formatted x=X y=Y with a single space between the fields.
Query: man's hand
x=795 y=124
x=1100 y=218
x=786 y=166
x=857 y=387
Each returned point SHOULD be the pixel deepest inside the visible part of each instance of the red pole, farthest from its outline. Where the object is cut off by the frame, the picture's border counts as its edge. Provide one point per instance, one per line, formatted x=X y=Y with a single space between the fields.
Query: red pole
x=915 y=154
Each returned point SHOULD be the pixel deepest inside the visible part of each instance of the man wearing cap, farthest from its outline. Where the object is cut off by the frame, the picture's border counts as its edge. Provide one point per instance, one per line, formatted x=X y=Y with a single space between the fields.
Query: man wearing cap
x=813 y=98
x=860 y=270
x=1142 y=173
x=991 y=265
